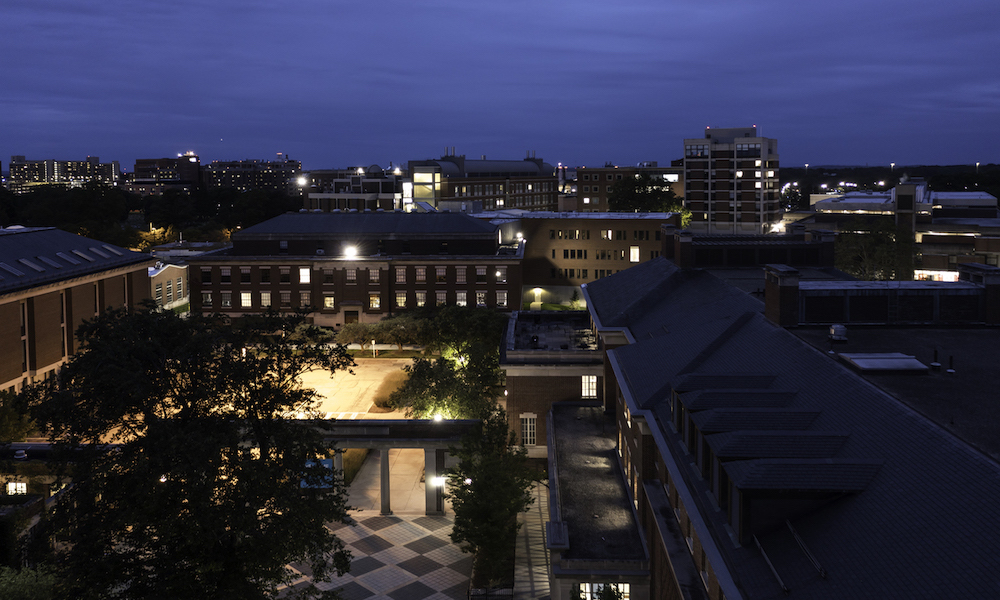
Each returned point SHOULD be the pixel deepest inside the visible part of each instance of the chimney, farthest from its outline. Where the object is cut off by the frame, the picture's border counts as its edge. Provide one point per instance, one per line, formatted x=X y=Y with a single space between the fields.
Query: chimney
x=781 y=295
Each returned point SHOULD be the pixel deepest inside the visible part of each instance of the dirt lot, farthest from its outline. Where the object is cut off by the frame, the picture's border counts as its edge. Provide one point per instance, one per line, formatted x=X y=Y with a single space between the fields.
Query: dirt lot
x=350 y=396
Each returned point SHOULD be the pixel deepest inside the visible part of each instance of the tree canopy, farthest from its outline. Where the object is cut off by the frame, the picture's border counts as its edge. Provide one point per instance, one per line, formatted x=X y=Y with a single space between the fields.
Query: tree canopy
x=643 y=193
x=188 y=479
x=873 y=249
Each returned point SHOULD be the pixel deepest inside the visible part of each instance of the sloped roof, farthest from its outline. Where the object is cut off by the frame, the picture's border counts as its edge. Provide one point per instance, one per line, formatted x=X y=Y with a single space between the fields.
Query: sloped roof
x=776 y=444
x=802 y=474
x=33 y=256
x=733 y=419
x=334 y=224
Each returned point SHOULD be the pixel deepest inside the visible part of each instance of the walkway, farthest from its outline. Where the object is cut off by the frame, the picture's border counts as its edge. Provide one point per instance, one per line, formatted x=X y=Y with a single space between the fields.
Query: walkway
x=531 y=561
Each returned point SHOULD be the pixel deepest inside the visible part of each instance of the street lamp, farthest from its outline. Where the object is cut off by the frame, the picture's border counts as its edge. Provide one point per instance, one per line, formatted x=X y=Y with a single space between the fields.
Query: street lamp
x=892 y=167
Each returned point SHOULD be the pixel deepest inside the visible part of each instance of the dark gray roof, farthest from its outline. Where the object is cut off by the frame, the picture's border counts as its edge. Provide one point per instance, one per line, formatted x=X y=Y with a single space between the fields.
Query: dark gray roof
x=922 y=513
x=736 y=398
x=334 y=224
x=733 y=419
x=33 y=256
x=776 y=444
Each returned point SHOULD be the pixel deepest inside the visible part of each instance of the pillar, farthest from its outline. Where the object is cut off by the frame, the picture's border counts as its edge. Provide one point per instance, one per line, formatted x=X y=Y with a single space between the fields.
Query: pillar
x=384 y=484
x=338 y=463
x=433 y=494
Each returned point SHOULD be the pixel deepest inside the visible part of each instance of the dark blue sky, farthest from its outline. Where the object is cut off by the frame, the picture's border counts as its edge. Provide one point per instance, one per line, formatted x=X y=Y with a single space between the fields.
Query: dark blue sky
x=335 y=83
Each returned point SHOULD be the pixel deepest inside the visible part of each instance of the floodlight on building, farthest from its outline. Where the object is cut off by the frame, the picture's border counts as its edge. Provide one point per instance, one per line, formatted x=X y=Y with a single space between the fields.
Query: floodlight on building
x=438 y=417
x=361 y=171
x=350 y=251
x=302 y=181
x=437 y=481
x=538 y=294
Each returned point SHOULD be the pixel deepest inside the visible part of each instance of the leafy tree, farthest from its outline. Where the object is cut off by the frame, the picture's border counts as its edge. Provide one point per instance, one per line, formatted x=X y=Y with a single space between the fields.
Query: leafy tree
x=643 y=193
x=872 y=250
x=15 y=425
x=208 y=491
x=398 y=330
x=444 y=387
x=27 y=584
x=488 y=488
x=355 y=333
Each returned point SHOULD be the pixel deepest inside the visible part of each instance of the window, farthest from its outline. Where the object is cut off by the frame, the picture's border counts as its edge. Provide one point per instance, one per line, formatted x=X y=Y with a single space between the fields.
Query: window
x=588 y=384
x=245 y=301
x=480 y=274
x=528 y=423
x=244 y=274
x=305 y=299
x=592 y=591
x=441 y=298
x=206 y=299
x=303 y=274
x=283 y=246
x=327 y=275
x=265 y=299
x=265 y=275
x=170 y=291
x=480 y=298
x=286 y=299
x=633 y=253
x=159 y=294
x=462 y=298
x=17 y=488
x=400 y=299
x=440 y=274
x=421 y=273
x=227 y=299
x=374 y=275
x=329 y=302
x=180 y=288
x=206 y=275
x=460 y=274
x=226 y=275
x=400 y=274
x=374 y=301
x=352 y=275
x=502 y=299
x=421 y=298
x=284 y=274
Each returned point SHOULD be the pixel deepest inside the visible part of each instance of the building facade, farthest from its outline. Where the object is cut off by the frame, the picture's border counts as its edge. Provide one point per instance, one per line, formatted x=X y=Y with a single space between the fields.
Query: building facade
x=26 y=174
x=281 y=175
x=530 y=184
x=593 y=184
x=345 y=267
x=357 y=188
x=50 y=282
x=156 y=175
x=731 y=181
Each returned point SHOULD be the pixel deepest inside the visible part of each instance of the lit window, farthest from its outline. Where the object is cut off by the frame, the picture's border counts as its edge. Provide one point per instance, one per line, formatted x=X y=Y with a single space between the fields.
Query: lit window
x=304 y=299
x=245 y=301
x=461 y=298
x=17 y=488
x=400 y=299
x=633 y=253
x=265 y=299
x=421 y=273
x=374 y=301
x=480 y=298
x=592 y=591
x=528 y=424
x=441 y=298
x=303 y=274
x=206 y=299
x=400 y=274
x=329 y=301
x=440 y=274
x=373 y=275
x=502 y=299
x=739 y=173
x=421 y=298
x=501 y=274
x=588 y=387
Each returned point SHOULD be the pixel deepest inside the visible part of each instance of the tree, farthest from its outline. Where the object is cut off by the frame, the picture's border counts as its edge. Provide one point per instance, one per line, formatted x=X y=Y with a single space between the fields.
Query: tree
x=14 y=423
x=27 y=584
x=488 y=488
x=873 y=250
x=643 y=193
x=188 y=480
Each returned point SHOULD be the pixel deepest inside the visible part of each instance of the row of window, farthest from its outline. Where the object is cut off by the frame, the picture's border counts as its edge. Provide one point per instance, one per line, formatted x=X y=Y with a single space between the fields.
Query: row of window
x=264 y=299
x=351 y=275
x=597 y=177
x=606 y=234
x=159 y=295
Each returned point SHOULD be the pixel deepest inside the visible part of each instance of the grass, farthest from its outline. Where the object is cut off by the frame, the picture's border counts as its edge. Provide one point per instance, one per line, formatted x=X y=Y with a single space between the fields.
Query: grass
x=353 y=459
x=392 y=382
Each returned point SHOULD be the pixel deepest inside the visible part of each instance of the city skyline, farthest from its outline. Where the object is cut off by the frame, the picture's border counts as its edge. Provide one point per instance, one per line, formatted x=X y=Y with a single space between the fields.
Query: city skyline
x=584 y=83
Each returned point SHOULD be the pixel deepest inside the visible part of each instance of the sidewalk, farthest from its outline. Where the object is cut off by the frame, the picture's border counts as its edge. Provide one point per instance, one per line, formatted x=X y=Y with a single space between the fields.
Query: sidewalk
x=531 y=561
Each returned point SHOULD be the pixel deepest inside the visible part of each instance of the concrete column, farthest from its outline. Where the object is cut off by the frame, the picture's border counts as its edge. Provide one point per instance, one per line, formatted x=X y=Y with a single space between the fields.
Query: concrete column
x=384 y=486
x=430 y=490
x=338 y=463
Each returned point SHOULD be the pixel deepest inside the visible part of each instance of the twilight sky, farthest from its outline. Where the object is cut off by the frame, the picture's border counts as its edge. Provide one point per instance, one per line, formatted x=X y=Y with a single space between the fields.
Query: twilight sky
x=336 y=84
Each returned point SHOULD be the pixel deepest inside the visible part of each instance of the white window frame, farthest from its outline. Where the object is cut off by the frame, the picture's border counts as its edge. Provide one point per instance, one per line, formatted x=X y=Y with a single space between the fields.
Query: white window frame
x=529 y=429
x=588 y=387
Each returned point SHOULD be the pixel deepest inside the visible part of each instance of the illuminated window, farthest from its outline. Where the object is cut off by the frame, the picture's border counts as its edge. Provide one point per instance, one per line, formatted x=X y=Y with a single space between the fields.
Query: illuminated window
x=592 y=591
x=400 y=274
x=373 y=275
x=17 y=488
x=441 y=298
x=501 y=274
x=528 y=424
x=480 y=298
x=374 y=301
x=329 y=301
x=421 y=273
x=462 y=298
x=633 y=253
x=588 y=384
x=440 y=274
x=245 y=301
x=502 y=299
x=303 y=274
x=265 y=299
x=400 y=299
x=421 y=298
x=206 y=299
x=304 y=299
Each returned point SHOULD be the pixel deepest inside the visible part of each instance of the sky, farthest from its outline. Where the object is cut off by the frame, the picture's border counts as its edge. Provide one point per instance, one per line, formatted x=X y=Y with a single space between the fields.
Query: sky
x=337 y=84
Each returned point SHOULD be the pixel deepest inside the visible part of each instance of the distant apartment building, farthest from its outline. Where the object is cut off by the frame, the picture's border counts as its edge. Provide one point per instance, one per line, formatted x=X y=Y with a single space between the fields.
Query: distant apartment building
x=26 y=174
x=344 y=267
x=281 y=175
x=593 y=184
x=357 y=188
x=731 y=181
x=454 y=181
x=50 y=282
x=156 y=175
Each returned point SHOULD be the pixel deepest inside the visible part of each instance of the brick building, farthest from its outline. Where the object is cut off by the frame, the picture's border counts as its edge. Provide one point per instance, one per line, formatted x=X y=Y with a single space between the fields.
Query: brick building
x=26 y=174
x=50 y=282
x=530 y=184
x=353 y=266
x=593 y=184
x=279 y=175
